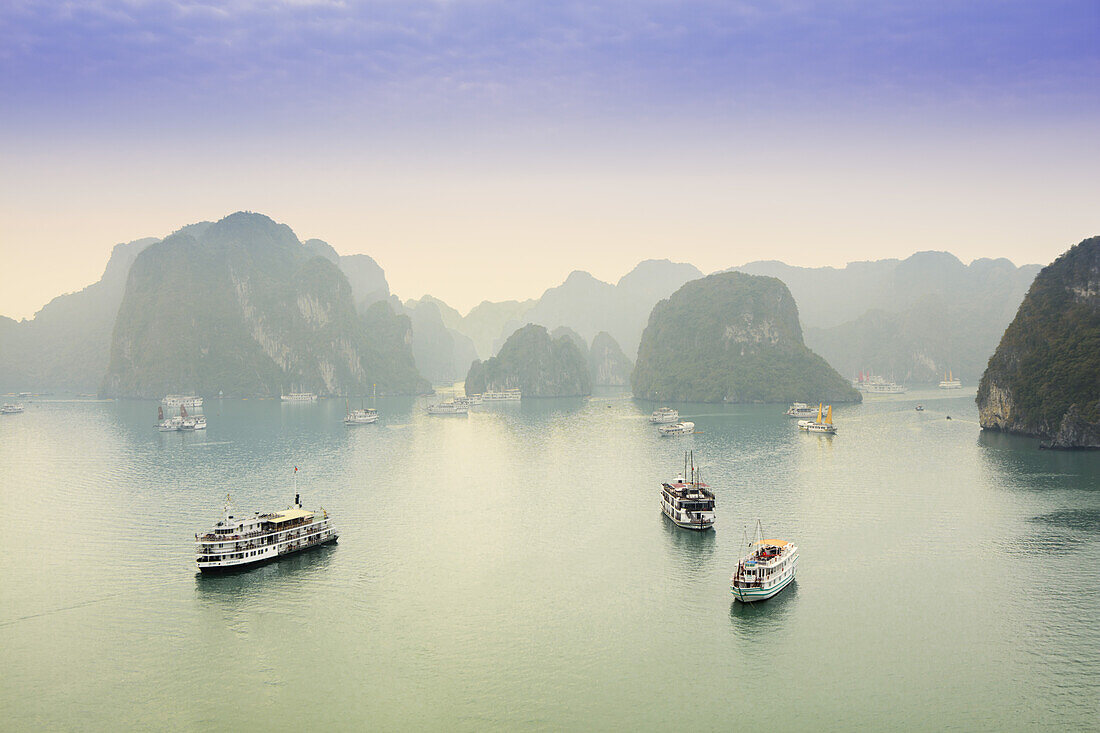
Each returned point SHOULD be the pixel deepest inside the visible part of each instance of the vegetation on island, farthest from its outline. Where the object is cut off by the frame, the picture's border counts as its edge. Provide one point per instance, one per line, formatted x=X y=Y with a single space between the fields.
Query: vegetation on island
x=535 y=363
x=1044 y=377
x=732 y=337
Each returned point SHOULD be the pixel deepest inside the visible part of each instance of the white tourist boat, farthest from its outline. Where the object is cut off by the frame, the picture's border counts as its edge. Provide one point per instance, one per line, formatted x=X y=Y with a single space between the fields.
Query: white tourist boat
x=768 y=568
x=191 y=422
x=874 y=384
x=179 y=400
x=819 y=425
x=300 y=397
x=471 y=399
x=363 y=416
x=949 y=382
x=11 y=408
x=451 y=407
x=679 y=428
x=800 y=409
x=239 y=542
x=169 y=424
x=688 y=502
x=508 y=395
x=663 y=415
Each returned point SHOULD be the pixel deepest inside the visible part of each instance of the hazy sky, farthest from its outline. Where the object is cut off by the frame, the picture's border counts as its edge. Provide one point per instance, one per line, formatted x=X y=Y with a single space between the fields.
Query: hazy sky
x=483 y=150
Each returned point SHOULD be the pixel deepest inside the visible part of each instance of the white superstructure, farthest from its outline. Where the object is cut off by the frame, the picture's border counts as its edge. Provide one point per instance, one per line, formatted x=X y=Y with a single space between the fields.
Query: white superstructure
x=299 y=397
x=11 y=409
x=768 y=568
x=679 y=428
x=237 y=542
x=949 y=382
x=874 y=384
x=508 y=395
x=689 y=503
x=663 y=415
x=800 y=409
x=451 y=407
x=364 y=416
x=179 y=400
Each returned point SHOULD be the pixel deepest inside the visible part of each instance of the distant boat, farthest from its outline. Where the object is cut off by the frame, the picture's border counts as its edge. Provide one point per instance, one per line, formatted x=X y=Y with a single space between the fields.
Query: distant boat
x=450 y=407
x=508 y=395
x=664 y=415
x=299 y=397
x=949 y=381
x=819 y=425
x=768 y=568
x=688 y=502
x=191 y=422
x=363 y=416
x=11 y=409
x=680 y=428
x=179 y=400
x=920 y=408
x=800 y=409
x=873 y=384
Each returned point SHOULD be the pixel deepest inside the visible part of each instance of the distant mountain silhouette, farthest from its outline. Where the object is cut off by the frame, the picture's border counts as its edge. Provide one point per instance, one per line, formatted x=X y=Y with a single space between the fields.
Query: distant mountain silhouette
x=588 y=305
x=911 y=319
x=67 y=344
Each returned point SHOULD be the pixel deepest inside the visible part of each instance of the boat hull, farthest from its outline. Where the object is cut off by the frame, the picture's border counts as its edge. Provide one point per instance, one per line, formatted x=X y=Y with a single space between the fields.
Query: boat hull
x=256 y=562
x=697 y=526
x=751 y=595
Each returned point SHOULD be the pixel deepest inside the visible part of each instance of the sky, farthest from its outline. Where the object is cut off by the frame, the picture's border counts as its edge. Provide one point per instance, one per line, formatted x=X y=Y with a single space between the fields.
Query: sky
x=485 y=149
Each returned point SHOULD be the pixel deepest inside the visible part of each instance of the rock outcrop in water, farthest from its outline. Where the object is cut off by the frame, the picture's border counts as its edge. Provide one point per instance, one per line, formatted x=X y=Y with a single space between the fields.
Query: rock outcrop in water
x=535 y=363
x=607 y=364
x=732 y=337
x=242 y=307
x=1044 y=378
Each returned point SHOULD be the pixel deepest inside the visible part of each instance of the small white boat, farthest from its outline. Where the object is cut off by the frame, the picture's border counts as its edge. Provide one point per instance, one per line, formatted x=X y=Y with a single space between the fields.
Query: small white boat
x=191 y=422
x=11 y=408
x=300 y=397
x=179 y=400
x=508 y=395
x=167 y=425
x=688 y=503
x=874 y=384
x=364 y=416
x=920 y=408
x=448 y=408
x=768 y=568
x=663 y=415
x=238 y=542
x=819 y=425
x=680 y=428
x=949 y=382
x=800 y=409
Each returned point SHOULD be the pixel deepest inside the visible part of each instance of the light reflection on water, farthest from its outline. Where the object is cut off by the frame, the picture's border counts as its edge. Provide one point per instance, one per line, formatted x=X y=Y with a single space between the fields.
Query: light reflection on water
x=513 y=569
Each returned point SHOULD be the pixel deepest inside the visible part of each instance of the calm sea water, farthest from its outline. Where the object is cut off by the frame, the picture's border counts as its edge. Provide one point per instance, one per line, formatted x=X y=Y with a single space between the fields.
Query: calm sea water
x=512 y=570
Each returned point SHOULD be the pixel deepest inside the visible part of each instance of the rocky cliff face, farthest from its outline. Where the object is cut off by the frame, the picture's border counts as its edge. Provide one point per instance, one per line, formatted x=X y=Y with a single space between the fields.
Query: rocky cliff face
x=1044 y=378
x=732 y=337
x=607 y=364
x=536 y=364
x=246 y=309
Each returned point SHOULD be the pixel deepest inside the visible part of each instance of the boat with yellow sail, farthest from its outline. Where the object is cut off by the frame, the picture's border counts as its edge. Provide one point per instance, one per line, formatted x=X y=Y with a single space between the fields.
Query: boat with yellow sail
x=820 y=425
